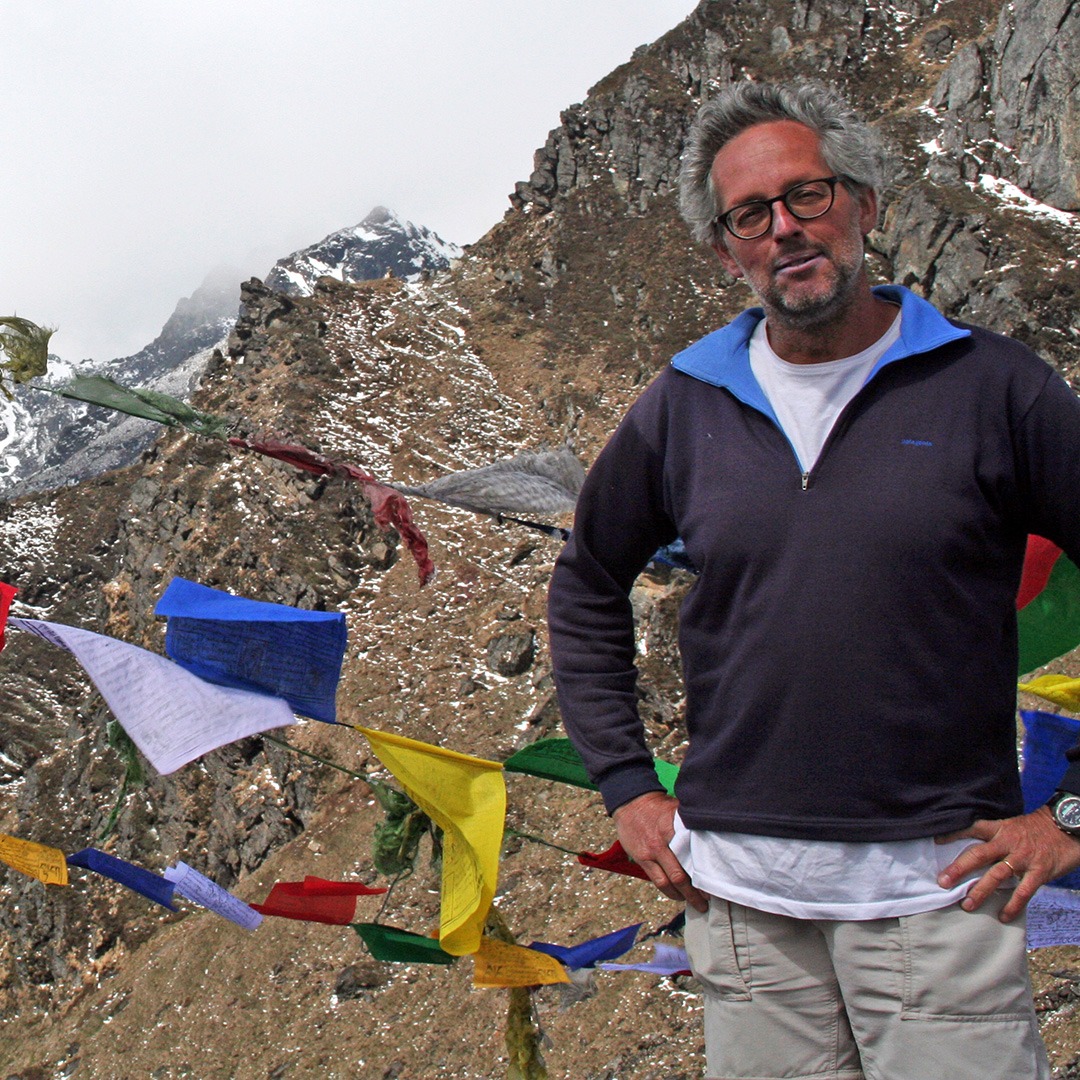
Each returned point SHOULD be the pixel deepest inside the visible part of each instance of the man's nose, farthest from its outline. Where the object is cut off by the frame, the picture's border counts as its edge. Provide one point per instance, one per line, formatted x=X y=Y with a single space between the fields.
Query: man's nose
x=784 y=222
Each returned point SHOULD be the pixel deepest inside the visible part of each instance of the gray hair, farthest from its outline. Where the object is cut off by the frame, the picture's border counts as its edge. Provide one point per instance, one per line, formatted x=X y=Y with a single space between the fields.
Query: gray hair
x=852 y=149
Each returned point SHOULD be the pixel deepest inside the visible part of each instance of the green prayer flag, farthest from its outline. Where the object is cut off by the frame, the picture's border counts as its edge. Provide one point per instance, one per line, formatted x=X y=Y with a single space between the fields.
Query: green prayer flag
x=401 y=946
x=147 y=404
x=556 y=759
x=1049 y=626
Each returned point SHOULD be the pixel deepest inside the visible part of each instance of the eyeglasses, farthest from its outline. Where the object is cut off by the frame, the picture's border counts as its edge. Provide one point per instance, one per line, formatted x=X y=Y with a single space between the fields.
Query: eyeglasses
x=805 y=201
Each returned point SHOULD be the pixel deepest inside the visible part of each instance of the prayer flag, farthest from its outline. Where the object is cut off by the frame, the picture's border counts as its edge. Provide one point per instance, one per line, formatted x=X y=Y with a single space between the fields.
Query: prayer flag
x=1046 y=738
x=557 y=759
x=172 y=716
x=674 y=926
x=1053 y=918
x=148 y=404
x=667 y=960
x=544 y=482
x=6 y=594
x=389 y=506
x=614 y=859
x=152 y=886
x=497 y=963
x=586 y=954
x=466 y=797
x=47 y=864
x=1059 y=690
x=1048 y=605
x=254 y=645
x=316 y=900
x=317 y=886
x=199 y=889
x=400 y=946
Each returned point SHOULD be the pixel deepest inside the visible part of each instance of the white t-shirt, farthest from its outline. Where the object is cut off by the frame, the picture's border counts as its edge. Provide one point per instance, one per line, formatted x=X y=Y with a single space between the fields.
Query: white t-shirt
x=817 y=879
x=807 y=398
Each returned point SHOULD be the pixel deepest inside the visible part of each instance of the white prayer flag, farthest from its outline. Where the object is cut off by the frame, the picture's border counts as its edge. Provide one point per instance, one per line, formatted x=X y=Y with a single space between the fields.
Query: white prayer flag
x=172 y=716
x=201 y=890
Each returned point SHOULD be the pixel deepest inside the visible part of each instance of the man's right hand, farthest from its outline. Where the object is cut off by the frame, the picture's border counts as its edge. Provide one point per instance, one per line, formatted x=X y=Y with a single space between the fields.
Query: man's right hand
x=645 y=826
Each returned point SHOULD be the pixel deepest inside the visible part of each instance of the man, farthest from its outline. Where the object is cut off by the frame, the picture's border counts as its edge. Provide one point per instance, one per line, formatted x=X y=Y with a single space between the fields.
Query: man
x=855 y=477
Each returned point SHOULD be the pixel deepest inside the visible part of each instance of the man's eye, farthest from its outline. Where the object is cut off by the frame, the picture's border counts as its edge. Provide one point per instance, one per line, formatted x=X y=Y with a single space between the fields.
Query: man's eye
x=749 y=216
x=807 y=196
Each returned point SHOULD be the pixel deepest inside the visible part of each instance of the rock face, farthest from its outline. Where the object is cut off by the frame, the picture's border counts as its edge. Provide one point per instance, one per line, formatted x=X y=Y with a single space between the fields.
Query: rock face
x=540 y=336
x=381 y=244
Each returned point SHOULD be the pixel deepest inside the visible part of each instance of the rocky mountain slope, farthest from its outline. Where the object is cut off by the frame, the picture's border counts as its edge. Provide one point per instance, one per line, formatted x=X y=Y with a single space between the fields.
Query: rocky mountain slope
x=542 y=334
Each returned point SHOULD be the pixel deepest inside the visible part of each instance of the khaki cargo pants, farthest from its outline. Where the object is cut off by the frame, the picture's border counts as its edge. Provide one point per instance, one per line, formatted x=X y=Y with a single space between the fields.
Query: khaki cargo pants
x=943 y=995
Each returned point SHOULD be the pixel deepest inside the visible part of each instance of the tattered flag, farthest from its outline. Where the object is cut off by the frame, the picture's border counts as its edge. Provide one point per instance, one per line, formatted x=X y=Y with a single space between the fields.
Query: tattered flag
x=387 y=504
x=587 y=953
x=1048 y=605
x=614 y=860
x=47 y=864
x=401 y=946
x=542 y=482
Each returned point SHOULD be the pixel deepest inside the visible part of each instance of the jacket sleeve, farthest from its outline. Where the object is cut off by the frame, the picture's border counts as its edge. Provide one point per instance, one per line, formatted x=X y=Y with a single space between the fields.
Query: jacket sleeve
x=620 y=522
x=1050 y=449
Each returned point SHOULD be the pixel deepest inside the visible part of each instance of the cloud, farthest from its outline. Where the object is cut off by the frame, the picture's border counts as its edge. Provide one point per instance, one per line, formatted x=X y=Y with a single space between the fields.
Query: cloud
x=146 y=143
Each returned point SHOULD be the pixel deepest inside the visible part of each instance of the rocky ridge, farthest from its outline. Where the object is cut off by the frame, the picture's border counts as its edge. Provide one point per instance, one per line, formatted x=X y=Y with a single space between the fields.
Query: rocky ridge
x=542 y=334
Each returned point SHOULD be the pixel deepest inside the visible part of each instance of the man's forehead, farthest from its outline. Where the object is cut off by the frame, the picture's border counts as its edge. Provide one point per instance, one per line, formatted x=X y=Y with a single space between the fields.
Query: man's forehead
x=751 y=164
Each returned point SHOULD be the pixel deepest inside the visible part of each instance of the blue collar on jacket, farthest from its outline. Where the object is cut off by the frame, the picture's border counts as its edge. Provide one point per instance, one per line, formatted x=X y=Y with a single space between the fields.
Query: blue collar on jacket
x=722 y=358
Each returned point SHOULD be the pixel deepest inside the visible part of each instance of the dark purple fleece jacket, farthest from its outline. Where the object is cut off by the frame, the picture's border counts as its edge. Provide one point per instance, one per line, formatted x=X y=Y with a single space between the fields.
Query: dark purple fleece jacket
x=849 y=647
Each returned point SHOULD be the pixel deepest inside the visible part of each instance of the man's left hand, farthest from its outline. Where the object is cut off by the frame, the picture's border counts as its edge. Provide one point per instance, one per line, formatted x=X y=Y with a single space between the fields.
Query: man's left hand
x=1030 y=848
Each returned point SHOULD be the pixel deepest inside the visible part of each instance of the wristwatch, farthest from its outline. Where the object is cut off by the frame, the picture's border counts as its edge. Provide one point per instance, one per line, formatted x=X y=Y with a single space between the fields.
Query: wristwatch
x=1064 y=807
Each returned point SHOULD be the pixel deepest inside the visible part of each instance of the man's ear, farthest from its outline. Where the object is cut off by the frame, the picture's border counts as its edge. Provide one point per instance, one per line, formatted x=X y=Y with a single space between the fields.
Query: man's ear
x=725 y=256
x=868 y=210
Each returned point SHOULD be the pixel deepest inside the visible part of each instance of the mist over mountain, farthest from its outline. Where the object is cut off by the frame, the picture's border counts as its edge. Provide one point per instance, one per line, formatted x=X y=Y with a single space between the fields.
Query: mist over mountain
x=541 y=334
x=48 y=441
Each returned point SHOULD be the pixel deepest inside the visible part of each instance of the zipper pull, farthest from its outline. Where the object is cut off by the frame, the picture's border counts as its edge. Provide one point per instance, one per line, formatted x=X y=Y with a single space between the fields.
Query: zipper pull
x=805 y=480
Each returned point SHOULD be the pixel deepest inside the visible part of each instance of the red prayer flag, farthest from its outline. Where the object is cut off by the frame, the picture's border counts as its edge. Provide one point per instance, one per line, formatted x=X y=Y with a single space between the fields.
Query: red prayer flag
x=1039 y=562
x=1048 y=605
x=388 y=505
x=315 y=900
x=317 y=886
x=6 y=594
x=614 y=859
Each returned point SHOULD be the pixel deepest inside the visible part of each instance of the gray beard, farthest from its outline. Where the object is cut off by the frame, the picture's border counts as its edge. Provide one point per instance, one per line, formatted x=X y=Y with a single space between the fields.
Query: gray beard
x=812 y=312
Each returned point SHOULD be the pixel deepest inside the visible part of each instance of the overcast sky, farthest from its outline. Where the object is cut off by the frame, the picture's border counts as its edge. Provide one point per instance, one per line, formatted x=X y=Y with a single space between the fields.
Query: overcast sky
x=144 y=142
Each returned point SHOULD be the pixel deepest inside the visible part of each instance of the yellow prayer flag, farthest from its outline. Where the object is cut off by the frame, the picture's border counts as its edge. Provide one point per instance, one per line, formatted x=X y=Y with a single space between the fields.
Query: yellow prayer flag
x=47 y=864
x=466 y=797
x=498 y=964
x=1060 y=690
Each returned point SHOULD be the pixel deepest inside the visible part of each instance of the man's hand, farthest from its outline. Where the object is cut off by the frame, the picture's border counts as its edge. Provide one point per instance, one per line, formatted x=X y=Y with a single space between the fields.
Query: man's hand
x=1031 y=848
x=645 y=826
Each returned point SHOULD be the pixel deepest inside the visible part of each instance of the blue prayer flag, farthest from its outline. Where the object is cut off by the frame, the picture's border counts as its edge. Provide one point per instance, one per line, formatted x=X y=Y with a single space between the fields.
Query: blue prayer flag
x=254 y=645
x=152 y=886
x=588 y=953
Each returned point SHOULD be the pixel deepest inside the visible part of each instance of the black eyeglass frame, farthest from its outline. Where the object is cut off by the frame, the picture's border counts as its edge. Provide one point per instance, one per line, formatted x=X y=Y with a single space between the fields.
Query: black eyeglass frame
x=724 y=218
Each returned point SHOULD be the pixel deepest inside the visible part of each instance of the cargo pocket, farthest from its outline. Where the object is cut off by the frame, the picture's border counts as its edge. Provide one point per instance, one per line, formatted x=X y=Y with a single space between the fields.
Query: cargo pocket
x=962 y=965
x=716 y=943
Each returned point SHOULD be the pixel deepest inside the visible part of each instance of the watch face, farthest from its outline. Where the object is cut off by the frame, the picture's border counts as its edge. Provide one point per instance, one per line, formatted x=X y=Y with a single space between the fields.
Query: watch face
x=1067 y=812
